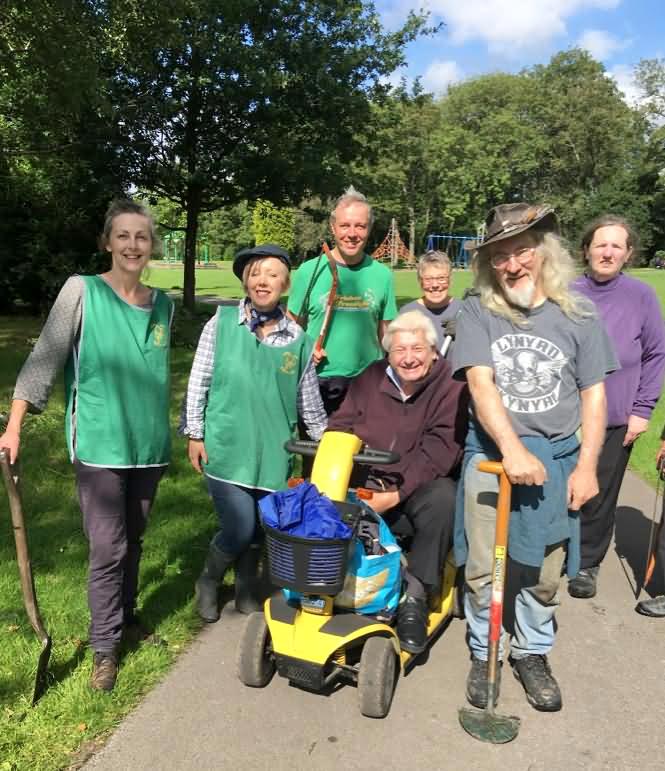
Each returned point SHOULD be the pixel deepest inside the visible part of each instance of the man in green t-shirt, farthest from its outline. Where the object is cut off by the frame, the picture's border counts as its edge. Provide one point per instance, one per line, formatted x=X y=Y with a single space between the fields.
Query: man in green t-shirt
x=364 y=303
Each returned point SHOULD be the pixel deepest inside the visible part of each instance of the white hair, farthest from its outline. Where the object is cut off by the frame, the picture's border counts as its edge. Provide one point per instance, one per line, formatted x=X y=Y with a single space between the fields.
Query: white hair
x=411 y=321
x=348 y=197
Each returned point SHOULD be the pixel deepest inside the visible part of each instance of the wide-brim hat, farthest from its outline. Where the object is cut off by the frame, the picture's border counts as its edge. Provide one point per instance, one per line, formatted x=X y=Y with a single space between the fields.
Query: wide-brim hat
x=511 y=219
x=260 y=250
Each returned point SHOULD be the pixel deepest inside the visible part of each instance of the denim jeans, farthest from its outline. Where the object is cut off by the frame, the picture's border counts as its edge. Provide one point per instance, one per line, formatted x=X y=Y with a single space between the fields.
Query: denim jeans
x=238 y=514
x=535 y=590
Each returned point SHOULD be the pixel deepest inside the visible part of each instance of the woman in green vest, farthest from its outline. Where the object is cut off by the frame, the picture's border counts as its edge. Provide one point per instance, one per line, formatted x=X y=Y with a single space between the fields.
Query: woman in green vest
x=111 y=334
x=251 y=378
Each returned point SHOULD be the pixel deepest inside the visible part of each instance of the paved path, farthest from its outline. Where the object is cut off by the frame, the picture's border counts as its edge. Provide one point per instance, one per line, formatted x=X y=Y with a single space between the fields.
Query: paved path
x=610 y=663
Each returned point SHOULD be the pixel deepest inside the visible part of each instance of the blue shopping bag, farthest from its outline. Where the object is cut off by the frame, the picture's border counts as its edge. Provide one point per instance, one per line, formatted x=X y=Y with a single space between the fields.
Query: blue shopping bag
x=373 y=582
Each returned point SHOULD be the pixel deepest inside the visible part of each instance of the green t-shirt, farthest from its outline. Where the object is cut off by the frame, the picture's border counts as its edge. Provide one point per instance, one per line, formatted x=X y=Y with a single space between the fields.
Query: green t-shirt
x=365 y=296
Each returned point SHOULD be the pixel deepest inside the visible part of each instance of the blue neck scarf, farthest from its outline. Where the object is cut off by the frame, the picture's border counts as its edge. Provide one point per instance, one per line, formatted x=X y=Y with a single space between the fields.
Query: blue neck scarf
x=259 y=318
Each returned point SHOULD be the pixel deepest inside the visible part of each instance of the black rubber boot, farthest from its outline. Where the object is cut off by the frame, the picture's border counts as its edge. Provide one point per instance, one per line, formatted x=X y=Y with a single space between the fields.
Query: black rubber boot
x=207 y=584
x=247 y=580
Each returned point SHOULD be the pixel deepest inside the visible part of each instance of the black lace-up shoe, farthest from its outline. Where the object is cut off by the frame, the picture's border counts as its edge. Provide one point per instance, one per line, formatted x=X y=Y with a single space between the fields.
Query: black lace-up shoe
x=583 y=586
x=476 y=683
x=542 y=690
x=654 y=607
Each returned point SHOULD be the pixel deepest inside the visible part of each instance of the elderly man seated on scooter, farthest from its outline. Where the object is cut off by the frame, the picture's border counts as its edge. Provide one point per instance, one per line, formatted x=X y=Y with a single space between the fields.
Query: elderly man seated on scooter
x=410 y=404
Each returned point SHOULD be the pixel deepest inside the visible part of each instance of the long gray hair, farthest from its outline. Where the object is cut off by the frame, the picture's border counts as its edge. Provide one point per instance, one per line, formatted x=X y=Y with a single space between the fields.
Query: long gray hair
x=558 y=270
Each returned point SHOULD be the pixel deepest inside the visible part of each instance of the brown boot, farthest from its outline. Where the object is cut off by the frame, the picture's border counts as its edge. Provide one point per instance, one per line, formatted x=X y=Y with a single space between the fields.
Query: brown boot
x=104 y=671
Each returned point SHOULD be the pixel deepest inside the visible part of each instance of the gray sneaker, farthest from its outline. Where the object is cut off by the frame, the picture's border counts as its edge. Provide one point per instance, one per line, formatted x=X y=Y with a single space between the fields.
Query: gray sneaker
x=583 y=586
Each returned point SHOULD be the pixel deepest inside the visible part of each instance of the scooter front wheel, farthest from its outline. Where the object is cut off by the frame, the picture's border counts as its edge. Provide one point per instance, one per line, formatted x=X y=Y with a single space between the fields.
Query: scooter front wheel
x=255 y=663
x=377 y=677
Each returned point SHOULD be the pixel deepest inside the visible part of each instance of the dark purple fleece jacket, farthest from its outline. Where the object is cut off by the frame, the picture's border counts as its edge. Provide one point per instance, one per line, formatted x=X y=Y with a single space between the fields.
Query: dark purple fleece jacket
x=427 y=430
x=631 y=312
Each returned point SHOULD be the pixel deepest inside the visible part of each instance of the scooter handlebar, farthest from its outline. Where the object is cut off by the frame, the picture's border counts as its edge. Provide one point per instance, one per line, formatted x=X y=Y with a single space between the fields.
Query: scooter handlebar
x=368 y=455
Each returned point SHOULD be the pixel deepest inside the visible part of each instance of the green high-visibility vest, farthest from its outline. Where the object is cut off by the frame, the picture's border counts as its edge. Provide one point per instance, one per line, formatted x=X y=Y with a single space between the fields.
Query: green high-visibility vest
x=117 y=383
x=251 y=408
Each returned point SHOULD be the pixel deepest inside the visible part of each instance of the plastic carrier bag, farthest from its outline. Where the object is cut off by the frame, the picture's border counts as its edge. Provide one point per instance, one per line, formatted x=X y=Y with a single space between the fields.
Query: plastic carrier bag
x=373 y=581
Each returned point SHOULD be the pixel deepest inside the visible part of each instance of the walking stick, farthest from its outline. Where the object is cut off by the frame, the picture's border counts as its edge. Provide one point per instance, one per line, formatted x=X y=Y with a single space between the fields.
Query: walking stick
x=655 y=530
x=330 y=304
x=25 y=571
x=485 y=724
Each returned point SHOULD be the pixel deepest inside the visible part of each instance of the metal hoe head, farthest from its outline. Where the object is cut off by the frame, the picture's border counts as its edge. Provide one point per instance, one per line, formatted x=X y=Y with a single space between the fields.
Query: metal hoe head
x=487 y=726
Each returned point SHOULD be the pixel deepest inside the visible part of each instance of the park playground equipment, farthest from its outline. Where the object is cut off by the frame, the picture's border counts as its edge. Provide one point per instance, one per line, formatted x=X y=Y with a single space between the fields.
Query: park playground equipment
x=174 y=248
x=310 y=642
x=393 y=250
x=454 y=246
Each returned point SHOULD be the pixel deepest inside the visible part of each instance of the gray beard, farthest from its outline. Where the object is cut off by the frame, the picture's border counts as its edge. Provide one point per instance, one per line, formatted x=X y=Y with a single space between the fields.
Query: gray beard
x=520 y=297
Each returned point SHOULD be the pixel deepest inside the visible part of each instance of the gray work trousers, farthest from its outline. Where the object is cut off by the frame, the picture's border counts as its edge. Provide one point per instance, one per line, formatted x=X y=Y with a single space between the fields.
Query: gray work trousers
x=115 y=504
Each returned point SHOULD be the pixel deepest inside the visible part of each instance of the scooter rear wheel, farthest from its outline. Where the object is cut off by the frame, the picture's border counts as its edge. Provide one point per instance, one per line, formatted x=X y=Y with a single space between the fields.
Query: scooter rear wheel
x=255 y=663
x=377 y=677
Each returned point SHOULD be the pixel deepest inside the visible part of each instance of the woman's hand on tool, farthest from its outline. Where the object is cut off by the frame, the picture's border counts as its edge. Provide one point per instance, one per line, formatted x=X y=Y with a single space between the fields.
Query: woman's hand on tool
x=10 y=442
x=197 y=452
x=11 y=439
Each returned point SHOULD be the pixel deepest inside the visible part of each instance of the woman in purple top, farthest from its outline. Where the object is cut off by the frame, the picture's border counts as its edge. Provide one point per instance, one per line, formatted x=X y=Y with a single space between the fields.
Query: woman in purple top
x=633 y=320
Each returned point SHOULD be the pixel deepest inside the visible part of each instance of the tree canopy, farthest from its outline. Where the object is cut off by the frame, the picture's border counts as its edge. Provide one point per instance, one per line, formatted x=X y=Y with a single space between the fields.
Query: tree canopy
x=204 y=108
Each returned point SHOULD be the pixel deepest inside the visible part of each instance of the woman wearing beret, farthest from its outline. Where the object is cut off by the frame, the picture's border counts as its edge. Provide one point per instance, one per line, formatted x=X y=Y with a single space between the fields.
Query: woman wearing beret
x=251 y=378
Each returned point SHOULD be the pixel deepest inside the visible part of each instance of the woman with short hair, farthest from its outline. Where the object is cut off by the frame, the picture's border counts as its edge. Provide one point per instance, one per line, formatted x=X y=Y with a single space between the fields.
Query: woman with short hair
x=434 y=276
x=251 y=378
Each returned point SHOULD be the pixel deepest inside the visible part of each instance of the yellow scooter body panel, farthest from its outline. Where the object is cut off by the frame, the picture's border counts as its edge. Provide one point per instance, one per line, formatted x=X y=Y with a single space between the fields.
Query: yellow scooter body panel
x=314 y=638
x=333 y=463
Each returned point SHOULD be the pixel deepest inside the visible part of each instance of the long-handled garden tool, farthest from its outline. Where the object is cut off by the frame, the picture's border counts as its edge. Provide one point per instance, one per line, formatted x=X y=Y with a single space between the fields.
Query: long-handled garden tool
x=10 y=478
x=654 y=533
x=485 y=724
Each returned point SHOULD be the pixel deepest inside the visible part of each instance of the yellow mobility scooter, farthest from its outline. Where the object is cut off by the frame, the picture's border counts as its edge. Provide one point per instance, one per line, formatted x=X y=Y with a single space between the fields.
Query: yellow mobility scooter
x=312 y=643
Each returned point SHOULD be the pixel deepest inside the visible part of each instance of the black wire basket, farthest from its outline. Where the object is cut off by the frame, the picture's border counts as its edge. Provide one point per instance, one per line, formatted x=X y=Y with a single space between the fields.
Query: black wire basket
x=311 y=565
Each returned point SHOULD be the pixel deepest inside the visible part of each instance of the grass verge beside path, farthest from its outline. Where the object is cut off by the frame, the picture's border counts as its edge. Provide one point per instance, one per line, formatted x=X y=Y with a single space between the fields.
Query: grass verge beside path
x=70 y=719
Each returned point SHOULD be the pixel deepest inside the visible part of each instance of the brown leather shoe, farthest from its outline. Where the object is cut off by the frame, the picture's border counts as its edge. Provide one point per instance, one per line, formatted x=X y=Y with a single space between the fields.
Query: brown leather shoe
x=104 y=671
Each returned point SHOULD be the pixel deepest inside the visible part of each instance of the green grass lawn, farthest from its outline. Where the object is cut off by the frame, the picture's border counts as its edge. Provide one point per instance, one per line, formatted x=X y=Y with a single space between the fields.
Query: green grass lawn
x=70 y=719
x=63 y=727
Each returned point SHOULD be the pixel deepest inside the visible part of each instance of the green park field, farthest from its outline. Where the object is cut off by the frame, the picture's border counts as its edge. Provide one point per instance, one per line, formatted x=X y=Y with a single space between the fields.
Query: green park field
x=71 y=720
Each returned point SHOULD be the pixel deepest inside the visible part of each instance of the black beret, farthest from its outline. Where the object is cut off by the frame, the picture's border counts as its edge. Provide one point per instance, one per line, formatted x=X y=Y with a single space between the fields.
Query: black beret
x=261 y=250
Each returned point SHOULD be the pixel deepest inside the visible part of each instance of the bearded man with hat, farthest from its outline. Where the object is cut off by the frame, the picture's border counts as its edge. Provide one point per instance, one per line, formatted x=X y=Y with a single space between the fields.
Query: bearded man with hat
x=252 y=377
x=535 y=356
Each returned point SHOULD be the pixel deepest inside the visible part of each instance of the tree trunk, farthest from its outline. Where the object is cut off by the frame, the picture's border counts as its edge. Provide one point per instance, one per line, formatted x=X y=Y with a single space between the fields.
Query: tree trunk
x=412 y=230
x=189 y=282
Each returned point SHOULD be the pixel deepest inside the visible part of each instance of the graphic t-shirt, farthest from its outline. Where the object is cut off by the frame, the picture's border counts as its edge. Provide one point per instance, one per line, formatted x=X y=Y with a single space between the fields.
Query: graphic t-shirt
x=365 y=296
x=539 y=370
